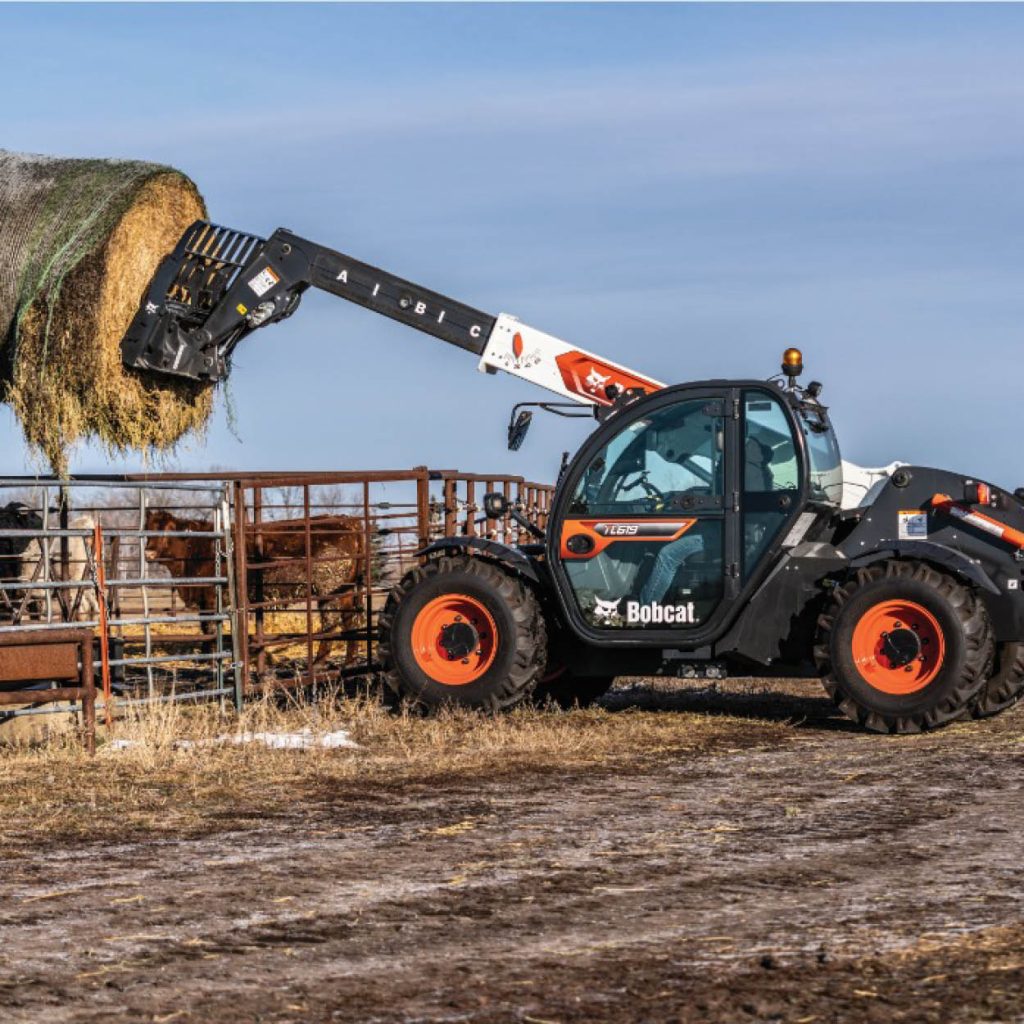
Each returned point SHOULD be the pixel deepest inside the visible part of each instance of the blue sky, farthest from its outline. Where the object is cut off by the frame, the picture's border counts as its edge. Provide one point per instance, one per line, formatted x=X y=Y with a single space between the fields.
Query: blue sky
x=685 y=189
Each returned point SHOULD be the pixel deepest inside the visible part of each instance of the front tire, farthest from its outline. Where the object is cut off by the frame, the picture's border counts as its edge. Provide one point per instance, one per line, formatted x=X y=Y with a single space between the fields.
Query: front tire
x=905 y=648
x=461 y=630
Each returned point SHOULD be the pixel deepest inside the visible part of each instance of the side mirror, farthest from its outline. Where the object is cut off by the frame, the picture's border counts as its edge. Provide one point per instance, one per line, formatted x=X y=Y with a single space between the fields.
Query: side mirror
x=496 y=505
x=518 y=429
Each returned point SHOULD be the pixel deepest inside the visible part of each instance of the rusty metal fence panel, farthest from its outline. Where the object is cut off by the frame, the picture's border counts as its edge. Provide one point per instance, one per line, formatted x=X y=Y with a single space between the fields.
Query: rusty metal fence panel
x=319 y=556
x=315 y=558
x=462 y=506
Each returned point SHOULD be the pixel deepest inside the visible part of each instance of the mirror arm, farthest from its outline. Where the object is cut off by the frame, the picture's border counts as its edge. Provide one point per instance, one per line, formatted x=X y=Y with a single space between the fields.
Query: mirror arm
x=526 y=524
x=496 y=505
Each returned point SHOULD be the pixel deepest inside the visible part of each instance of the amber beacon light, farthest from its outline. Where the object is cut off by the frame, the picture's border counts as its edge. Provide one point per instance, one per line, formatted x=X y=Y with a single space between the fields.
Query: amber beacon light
x=792 y=362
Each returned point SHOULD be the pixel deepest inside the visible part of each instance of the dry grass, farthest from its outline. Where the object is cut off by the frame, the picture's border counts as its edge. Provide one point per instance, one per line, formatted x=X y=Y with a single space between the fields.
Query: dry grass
x=68 y=379
x=274 y=624
x=155 y=786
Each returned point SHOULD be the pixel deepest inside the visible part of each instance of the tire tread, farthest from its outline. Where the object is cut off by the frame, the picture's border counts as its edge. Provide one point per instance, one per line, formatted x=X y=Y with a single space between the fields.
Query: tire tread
x=531 y=631
x=1006 y=685
x=977 y=632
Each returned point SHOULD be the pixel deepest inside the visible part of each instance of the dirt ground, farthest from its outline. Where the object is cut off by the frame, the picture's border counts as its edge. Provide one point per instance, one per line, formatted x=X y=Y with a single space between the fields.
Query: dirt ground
x=790 y=868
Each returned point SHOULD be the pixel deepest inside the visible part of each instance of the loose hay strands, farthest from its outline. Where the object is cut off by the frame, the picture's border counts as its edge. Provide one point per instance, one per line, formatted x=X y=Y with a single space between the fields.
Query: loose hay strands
x=79 y=242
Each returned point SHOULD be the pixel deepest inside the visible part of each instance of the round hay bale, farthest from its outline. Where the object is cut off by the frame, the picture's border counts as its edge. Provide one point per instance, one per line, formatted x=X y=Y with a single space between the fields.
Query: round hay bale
x=79 y=242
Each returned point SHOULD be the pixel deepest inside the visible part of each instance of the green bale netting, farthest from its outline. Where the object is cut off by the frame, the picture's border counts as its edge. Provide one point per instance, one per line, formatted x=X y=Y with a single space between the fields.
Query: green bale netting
x=79 y=242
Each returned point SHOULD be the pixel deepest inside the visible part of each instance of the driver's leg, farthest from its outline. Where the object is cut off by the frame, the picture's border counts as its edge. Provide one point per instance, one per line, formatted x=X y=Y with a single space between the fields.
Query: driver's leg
x=666 y=565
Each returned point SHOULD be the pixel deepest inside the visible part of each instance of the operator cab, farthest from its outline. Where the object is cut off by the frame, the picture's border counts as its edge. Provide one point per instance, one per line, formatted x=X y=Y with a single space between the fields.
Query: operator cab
x=680 y=503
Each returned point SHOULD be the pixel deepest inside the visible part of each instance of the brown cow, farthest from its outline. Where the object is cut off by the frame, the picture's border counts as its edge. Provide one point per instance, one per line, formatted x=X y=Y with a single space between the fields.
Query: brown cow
x=276 y=558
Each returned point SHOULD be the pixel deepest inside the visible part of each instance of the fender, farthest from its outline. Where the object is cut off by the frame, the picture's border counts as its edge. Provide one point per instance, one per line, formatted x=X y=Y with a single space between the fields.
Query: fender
x=929 y=551
x=512 y=558
x=1007 y=615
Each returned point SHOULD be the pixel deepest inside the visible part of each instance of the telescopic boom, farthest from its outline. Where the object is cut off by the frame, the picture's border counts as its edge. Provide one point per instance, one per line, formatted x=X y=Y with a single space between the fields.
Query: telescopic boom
x=220 y=285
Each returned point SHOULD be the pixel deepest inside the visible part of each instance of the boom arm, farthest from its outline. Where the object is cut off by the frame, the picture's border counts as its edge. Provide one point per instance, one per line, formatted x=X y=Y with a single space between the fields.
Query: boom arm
x=220 y=285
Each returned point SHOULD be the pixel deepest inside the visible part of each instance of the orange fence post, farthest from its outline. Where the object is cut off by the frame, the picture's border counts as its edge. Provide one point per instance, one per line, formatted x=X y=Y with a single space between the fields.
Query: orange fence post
x=101 y=589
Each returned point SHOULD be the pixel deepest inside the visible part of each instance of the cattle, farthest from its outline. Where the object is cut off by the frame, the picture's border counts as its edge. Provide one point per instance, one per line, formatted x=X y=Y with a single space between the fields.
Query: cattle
x=15 y=516
x=276 y=557
x=21 y=561
x=184 y=557
x=82 y=601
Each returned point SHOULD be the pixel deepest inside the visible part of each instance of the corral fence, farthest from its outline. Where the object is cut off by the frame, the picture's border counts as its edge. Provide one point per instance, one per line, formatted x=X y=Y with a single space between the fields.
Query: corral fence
x=317 y=554
x=218 y=585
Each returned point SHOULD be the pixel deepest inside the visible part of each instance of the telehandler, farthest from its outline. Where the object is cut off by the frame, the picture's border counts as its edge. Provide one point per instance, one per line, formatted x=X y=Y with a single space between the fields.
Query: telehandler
x=699 y=531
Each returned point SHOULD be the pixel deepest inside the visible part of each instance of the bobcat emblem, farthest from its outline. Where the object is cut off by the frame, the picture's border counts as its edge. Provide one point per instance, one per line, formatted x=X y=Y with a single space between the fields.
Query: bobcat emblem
x=605 y=611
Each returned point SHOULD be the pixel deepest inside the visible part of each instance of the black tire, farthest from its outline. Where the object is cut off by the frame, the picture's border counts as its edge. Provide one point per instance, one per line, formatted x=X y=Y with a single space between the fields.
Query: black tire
x=965 y=631
x=569 y=691
x=521 y=636
x=1006 y=684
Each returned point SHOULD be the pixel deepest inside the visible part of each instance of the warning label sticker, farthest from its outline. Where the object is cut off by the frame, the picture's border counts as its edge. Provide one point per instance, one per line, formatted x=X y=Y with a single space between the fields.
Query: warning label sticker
x=264 y=281
x=913 y=525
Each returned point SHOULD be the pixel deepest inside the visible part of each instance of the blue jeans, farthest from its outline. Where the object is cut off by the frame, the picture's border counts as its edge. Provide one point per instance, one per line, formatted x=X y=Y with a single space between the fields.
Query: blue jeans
x=666 y=565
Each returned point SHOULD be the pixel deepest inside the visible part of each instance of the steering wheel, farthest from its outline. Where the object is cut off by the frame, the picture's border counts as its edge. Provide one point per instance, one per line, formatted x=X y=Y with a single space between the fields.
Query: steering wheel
x=656 y=496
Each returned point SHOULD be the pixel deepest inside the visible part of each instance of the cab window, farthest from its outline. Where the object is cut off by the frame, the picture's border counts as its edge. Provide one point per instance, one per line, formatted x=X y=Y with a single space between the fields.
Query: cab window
x=771 y=474
x=823 y=454
x=668 y=460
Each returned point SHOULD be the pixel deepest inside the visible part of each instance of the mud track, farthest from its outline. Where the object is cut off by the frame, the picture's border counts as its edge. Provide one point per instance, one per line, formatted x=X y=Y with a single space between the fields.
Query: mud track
x=830 y=876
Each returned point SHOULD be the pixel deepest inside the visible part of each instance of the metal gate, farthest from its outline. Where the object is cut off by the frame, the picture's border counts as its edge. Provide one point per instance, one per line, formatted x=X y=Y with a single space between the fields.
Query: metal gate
x=160 y=646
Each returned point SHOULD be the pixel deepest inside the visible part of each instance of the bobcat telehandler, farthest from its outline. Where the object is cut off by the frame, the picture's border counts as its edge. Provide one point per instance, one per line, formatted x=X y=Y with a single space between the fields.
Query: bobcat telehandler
x=700 y=530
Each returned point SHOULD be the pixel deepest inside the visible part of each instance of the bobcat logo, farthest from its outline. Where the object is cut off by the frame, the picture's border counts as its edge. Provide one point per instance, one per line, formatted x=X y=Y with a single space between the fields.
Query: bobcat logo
x=595 y=380
x=605 y=611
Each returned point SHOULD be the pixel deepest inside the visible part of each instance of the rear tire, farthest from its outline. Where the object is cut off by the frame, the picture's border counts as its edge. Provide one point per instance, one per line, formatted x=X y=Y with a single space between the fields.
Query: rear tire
x=904 y=610
x=1006 y=684
x=420 y=629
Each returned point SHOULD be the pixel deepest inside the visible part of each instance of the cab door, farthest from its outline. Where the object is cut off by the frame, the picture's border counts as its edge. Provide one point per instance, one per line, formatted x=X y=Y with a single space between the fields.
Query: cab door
x=647 y=541
x=772 y=476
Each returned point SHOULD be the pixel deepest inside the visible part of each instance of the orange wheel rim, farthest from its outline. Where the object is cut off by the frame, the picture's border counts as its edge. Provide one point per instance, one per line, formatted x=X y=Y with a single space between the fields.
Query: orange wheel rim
x=898 y=646
x=454 y=639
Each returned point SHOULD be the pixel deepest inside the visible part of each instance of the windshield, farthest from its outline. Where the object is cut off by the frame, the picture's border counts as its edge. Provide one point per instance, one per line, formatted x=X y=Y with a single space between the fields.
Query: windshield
x=665 y=460
x=826 y=482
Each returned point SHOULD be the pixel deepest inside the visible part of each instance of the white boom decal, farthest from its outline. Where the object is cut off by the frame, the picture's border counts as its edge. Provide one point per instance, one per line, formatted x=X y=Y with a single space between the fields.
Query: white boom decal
x=551 y=363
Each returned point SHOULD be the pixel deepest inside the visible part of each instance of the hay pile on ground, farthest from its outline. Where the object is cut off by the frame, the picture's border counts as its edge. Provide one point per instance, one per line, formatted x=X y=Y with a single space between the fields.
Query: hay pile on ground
x=79 y=242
